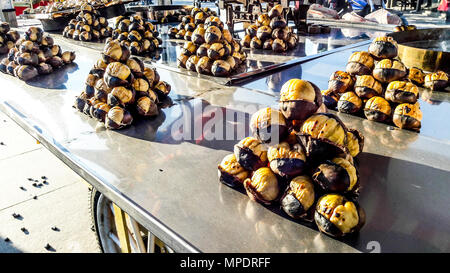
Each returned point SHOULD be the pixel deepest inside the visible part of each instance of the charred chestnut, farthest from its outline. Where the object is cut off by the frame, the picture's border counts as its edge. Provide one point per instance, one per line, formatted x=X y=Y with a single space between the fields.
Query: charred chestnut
x=286 y=160
x=279 y=46
x=324 y=136
x=355 y=142
x=383 y=48
x=204 y=65
x=231 y=173
x=213 y=35
x=388 y=70
x=198 y=36
x=44 y=68
x=191 y=63
x=99 y=111
x=264 y=33
x=366 y=87
x=25 y=72
x=117 y=74
x=329 y=98
x=255 y=43
x=336 y=175
x=220 y=68
x=146 y=107
x=262 y=186
x=276 y=11
x=269 y=125
x=118 y=118
x=436 y=81
x=162 y=89
x=277 y=22
x=416 y=76
x=68 y=57
x=377 y=109
x=216 y=51
x=251 y=153
x=121 y=96
x=349 y=103
x=360 y=63
x=299 y=197
x=340 y=82
x=245 y=42
x=401 y=92
x=408 y=116
x=251 y=31
x=299 y=99
x=337 y=216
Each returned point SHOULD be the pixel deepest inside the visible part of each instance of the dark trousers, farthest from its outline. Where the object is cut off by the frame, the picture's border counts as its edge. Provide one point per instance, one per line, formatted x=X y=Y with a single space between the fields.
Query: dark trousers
x=420 y=2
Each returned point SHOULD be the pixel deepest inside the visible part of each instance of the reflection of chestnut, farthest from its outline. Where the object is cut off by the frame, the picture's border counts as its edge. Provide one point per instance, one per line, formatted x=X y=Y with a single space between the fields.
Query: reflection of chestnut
x=337 y=216
x=231 y=173
x=268 y=125
x=286 y=160
x=299 y=197
x=299 y=99
x=402 y=92
x=262 y=186
x=349 y=103
x=336 y=175
x=251 y=153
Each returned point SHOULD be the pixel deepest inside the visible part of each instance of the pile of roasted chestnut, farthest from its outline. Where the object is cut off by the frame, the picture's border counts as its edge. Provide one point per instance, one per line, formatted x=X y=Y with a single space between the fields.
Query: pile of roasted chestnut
x=301 y=158
x=189 y=23
x=8 y=37
x=270 y=32
x=88 y=25
x=378 y=86
x=119 y=87
x=211 y=50
x=35 y=54
x=140 y=37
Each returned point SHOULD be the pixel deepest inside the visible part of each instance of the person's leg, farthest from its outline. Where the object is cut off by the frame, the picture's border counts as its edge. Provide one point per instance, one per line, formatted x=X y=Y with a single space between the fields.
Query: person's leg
x=418 y=5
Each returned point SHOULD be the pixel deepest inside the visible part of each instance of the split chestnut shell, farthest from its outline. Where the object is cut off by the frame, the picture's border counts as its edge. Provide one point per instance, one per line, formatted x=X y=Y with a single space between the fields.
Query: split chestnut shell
x=262 y=186
x=360 y=63
x=337 y=216
x=118 y=118
x=299 y=197
x=402 y=92
x=377 y=109
x=336 y=175
x=349 y=103
x=383 y=48
x=269 y=125
x=251 y=153
x=388 y=70
x=408 y=116
x=287 y=160
x=231 y=173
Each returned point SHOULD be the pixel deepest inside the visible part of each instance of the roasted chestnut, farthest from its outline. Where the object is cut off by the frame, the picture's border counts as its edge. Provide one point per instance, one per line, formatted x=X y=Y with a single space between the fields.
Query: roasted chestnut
x=299 y=197
x=25 y=72
x=383 y=48
x=101 y=90
x=355 y=142
x=360 y=63
x=255 y=43
x=276 y=11
x=188 y=49
x=408 y=116
x=198 y=36
x=204 y=65
x=231 y=173
x=402 y=92
x=4 y=27
x=151 y=75
x=264 y=33
x=28 y=59
x=349 y=103
x=436 y=81
x=216 y=51
x=268 y=44
x=251 y=153
x=214 y=21
x=366 y=87
x=340 y=82
x=220 y=68
x=226 y=35
x=162 y=89
x=324 y=136
x=213 y=35
x=416 y=76
x=263 y=20
x=4 y=64
x=286 y=160
x=28 y=46
x=68 y=57
x=279 y=46
x=136 y=66
x=299 y=99
x=245 y=42
x=180 y=34
x=117 y=74
x=181 y=60
x=262 y=186
x=191 y=63
x=135 y=48
x=292 y=41
x=121 y=96
x=269 y=125
x=172 y=32
x=99 y=111
x=329 y=98
x=140 y=86
x=388 y=70
x=277 y=22
x=44 y=68
x=118 y=118
x=200 y=18
x=251 y=31
x=336 y=175
x=11 y=67
x=13 y=35
x=34 y=34
x=115 y=52
x=146 y=107
x=80 y=102
x=377 y=109
x=337 y=216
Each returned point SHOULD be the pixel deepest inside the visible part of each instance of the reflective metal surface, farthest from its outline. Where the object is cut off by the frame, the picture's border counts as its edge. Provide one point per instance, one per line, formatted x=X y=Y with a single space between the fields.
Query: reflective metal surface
x=170 y=185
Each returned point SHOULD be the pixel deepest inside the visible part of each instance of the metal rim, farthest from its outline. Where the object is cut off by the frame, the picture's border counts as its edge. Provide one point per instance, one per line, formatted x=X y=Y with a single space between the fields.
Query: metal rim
x=106 y=226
